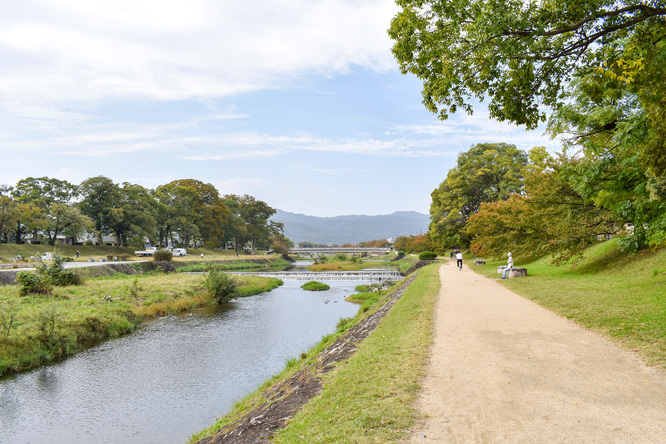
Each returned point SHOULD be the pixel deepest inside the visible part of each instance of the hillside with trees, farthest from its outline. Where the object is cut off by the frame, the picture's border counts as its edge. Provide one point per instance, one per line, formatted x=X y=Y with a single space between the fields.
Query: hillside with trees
x=341 y=230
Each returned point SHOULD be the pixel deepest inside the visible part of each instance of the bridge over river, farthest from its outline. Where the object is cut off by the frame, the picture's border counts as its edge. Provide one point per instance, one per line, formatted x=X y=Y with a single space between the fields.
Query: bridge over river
x=364 y=275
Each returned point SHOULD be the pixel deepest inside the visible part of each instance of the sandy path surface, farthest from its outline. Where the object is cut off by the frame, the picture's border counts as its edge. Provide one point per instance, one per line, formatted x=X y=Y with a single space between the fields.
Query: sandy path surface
x=503 y=369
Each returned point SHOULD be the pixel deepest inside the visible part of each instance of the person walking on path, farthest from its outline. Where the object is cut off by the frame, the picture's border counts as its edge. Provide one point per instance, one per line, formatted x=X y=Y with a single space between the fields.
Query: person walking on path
x=459 y=259
x=504 y=369
x=509 y=266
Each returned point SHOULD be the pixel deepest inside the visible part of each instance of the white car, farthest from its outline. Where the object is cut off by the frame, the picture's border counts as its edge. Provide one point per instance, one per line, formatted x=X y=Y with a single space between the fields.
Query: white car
x=180 y=252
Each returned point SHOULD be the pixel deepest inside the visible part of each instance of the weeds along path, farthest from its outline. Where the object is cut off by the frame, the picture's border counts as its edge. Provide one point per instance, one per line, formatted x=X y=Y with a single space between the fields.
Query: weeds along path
x=504 y=369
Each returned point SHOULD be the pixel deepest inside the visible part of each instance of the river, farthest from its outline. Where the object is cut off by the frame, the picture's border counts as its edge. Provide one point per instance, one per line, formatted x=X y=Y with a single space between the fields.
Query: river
x=173 y=376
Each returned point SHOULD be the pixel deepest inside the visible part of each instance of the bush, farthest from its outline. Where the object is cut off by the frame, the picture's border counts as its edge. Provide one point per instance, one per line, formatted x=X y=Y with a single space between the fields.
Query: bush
x=46 y=276
x=221 y=286
x=124 y=257
x=315 y=286
x=427 y=256
x=163 y=255
x=59 y=275
x=33 y=283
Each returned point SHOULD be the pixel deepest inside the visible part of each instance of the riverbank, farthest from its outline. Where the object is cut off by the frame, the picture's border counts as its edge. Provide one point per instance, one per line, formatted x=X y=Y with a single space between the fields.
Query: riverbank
x=37 y=329
x=366 y=396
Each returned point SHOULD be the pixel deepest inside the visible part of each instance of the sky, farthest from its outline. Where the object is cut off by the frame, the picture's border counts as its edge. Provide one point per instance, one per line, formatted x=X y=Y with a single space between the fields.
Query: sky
x=298 y=103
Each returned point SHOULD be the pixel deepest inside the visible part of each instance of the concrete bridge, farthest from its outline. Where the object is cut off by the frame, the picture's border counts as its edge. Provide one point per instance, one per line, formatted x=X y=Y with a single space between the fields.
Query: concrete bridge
x=321 y=251
x=365 y=275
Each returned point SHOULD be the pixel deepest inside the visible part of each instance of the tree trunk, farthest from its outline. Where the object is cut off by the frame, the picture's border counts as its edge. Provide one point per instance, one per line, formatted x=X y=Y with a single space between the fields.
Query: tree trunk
x=19 y=233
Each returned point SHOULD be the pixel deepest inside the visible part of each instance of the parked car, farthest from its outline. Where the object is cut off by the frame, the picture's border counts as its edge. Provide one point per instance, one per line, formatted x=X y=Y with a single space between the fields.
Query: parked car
x=179 y=252
x=47 y=256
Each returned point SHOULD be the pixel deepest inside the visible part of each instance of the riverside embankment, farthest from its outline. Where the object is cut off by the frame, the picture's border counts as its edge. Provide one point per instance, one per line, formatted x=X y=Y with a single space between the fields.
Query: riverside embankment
x=113 y=300
x=172 y=376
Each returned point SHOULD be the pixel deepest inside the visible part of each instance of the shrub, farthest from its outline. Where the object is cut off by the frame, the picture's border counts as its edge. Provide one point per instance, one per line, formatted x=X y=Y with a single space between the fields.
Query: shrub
x=163 y=255
x=124 y=257
x=315 y=286
x=59 y=275
x=427 y=256
x=221 y=286
x=31 y=282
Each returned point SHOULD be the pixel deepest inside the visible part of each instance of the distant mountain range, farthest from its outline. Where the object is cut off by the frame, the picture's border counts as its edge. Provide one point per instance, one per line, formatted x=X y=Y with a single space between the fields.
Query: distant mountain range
x=351 y=229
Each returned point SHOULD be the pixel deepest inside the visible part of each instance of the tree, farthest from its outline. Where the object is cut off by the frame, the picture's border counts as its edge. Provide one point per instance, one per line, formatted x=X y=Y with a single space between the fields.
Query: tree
x=45 y=191
x=549 y=217
x=415 y=244
x=520 y=54
x=134 y=215
x=281 y=244
x=213 y=213
x=63 y=219
x=614 y=122
x=36 y=195
x=100 y=197
x=485 y=173
x=9 y=216
x=176 y=215
x=249 y=222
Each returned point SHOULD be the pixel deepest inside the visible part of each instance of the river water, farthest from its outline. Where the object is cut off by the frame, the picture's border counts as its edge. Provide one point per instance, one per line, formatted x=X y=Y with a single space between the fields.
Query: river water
x=173 y=376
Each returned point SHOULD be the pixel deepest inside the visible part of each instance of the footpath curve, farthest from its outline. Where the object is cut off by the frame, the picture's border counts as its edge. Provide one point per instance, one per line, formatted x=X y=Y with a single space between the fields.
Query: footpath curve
x=504 y=369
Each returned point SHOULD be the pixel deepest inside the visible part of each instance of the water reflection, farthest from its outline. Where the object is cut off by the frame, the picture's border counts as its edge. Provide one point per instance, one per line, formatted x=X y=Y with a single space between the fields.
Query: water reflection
x=174 y=376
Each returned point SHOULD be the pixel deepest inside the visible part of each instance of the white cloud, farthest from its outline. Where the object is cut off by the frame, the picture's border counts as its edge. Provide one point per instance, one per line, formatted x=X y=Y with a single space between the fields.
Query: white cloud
x=177 y=49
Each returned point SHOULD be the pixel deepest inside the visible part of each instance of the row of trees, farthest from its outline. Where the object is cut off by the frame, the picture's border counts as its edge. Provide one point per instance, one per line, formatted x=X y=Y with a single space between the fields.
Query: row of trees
x=183 y=213
x=598 y=68
x=500 y=199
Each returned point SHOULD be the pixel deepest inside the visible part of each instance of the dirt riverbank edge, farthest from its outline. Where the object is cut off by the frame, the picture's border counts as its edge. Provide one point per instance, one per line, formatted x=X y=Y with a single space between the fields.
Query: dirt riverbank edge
x=285 y=398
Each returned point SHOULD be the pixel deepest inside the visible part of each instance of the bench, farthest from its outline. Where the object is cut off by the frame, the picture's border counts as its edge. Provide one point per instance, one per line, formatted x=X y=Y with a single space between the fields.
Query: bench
x=515 y=271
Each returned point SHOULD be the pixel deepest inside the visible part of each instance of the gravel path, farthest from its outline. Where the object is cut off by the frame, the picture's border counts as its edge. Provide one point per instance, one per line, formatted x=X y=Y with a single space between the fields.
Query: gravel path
x=503 y=369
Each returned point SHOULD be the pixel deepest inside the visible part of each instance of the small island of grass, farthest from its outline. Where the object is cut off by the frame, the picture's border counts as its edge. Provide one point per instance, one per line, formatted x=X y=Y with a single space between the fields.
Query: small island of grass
x=315 y=286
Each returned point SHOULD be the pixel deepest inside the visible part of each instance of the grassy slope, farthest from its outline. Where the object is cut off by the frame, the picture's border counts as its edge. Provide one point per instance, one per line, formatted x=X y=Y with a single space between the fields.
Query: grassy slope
x=8 y=251
x=369 y=398
x=609 y=292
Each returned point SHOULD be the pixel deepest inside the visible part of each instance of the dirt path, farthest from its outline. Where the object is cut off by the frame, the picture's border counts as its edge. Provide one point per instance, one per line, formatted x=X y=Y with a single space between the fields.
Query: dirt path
x=503 y=369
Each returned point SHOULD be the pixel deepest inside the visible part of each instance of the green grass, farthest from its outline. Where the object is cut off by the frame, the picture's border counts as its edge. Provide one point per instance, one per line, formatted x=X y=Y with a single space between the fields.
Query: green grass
x=609 y=292
x=315 y=286
x=41 y=328
x=229 y=265
x=367 y=398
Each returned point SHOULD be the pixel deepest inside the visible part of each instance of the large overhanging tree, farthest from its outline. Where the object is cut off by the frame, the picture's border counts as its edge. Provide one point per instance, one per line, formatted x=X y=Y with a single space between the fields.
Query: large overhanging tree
x=516 y=54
